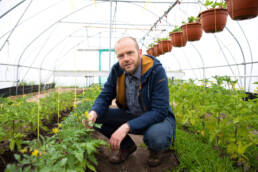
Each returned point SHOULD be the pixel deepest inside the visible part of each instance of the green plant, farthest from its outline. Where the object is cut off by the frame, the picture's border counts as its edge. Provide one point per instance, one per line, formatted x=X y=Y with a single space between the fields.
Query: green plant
x=71 y=148
x=151 y=45
x=218 y=113
x=191 y=19
x=195 y=155
x=163 y=39
x=176 y=29
x=215 y=4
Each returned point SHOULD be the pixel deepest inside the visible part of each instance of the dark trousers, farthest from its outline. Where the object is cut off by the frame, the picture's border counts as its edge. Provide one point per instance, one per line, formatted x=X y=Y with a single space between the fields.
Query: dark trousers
x=157 y=137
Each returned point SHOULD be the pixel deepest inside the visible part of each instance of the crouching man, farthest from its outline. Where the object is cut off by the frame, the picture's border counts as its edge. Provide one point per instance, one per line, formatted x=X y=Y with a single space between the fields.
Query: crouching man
x=140 y=86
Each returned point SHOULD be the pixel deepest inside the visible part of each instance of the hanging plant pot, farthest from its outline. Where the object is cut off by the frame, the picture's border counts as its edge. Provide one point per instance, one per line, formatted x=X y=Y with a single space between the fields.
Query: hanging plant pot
x=242 y=9
x=214 y=20
x=178 y=39
x=192 y=31
x=165 y=46
x=150 y=51
x=156 y=50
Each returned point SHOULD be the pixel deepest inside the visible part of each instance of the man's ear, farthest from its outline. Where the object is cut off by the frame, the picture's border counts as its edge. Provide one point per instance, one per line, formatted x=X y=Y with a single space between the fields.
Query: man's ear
x=140 y=52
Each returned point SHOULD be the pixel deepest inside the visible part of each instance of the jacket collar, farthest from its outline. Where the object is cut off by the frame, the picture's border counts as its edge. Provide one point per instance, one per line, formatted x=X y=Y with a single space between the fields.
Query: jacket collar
x=147 y=63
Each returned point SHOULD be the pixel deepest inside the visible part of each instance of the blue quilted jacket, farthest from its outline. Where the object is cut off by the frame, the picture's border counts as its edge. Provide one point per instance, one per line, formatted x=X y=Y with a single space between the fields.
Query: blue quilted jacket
x=153 y=94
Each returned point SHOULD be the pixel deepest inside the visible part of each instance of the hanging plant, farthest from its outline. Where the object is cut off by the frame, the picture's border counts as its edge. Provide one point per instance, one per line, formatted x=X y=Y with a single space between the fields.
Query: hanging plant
x=150 y=50
x=192 y=30
x=215 y=18
x=156 y=51
x=164 y=45
x=177 y=37
x=241 y=10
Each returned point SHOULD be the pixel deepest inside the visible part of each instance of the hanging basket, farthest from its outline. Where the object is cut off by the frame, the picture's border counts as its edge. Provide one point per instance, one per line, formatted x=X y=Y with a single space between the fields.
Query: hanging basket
x=150 y=51
x=156 y=51
x=192 y=31
x=214 y=20
x=178 y=39
x=165 y=46
x=242 y=9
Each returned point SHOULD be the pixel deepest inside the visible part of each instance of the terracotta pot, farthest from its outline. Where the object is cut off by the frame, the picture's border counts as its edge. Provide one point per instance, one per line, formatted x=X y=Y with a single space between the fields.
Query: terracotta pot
x=150 y=51
x=242 y=9
x=178 y=39
x=156 y=50
x=214 y=20
x=192 y=31
x=165 y=46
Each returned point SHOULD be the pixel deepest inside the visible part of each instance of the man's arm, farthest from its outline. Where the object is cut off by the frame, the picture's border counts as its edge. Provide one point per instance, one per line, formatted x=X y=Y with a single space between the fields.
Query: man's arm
x=106 y=96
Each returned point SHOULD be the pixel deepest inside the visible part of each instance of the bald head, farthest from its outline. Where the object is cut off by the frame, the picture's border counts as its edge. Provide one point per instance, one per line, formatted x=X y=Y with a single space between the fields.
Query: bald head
x=127 y=38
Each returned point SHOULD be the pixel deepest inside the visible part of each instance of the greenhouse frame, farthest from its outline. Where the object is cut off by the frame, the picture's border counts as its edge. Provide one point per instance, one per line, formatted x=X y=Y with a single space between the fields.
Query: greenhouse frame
x=56 y=56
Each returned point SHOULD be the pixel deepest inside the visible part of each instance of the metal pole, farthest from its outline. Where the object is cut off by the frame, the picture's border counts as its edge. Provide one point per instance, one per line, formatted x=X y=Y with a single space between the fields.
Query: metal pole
x=244 y=62
x=110 y=33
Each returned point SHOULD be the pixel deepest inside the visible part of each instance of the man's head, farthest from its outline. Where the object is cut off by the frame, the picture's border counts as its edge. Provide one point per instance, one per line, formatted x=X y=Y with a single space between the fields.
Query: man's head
x=128 y=54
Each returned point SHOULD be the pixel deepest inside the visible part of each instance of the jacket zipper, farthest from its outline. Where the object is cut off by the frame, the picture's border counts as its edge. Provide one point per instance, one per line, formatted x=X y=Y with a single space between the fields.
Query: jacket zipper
x=140 y=99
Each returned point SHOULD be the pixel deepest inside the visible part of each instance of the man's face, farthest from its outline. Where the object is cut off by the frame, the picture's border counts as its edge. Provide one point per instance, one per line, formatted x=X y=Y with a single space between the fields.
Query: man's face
x=128 y=56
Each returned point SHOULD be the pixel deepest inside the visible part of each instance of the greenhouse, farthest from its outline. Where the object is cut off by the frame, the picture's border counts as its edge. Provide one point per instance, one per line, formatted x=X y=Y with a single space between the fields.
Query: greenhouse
x=57 y=63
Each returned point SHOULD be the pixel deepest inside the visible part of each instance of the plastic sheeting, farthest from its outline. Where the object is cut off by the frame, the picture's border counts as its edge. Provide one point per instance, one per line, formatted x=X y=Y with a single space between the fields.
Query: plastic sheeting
x=45 y=35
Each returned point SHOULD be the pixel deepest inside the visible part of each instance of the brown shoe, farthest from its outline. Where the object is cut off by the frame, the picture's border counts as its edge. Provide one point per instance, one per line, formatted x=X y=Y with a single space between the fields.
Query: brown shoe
x=122 y=154
x=156 y=158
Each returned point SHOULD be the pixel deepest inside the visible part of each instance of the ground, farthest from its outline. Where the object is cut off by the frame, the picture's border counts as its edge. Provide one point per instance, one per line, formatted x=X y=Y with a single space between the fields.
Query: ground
x=137 y=162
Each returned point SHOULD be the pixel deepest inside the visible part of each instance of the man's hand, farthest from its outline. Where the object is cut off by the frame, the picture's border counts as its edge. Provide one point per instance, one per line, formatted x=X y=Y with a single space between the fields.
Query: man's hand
x=91 y=118
x=118 y=136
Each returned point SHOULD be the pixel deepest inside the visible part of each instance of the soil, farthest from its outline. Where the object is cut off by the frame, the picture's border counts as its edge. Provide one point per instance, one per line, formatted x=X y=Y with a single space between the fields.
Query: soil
x=44 y=93
x=137 y=162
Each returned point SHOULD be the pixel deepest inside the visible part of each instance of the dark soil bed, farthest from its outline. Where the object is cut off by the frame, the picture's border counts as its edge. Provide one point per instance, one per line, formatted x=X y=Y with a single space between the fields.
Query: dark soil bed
x=137 y=162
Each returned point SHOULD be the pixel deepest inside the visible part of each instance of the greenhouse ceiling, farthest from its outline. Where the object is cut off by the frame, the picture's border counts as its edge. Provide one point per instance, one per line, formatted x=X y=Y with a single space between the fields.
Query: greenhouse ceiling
x=39 y=37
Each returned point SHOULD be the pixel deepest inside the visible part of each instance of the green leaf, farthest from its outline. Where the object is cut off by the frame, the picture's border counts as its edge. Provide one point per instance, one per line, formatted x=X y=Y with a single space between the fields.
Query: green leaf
x=62 y=162
x=79 y=156
x=12 y=144
x=91 y=167
x=93 y=159
x=17 y=157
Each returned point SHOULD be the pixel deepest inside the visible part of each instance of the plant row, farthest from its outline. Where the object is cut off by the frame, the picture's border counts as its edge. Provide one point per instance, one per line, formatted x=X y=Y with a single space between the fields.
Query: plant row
x=19 y=118
x=219 y=114
x=71 y=149
x=212 y=20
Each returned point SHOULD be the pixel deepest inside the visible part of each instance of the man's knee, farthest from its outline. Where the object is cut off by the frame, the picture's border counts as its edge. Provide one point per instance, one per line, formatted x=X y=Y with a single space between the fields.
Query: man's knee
x=158 y=137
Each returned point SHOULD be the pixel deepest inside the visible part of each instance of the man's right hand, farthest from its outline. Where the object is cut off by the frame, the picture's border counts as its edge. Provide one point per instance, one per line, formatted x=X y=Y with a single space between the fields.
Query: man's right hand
x=92 y=117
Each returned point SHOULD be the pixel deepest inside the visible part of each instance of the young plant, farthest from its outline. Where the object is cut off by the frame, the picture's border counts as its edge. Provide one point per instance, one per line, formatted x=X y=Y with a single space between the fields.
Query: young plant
x=215 y=4
x=191 y=19
x=151 y=45
x=176 y=29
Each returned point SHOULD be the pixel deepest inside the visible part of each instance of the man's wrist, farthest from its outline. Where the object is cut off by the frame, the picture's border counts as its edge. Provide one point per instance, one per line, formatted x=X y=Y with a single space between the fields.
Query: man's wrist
x=127 y=127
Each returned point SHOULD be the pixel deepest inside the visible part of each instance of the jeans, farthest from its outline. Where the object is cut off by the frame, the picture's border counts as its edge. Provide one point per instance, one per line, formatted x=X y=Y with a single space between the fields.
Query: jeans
x=157 y=137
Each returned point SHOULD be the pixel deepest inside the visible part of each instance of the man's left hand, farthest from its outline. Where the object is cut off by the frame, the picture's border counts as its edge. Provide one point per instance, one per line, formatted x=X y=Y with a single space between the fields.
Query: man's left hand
x=118 y=136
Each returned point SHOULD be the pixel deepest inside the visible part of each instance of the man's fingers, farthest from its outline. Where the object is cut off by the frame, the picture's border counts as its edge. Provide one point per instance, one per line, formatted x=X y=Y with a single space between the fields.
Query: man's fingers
x=114 y=143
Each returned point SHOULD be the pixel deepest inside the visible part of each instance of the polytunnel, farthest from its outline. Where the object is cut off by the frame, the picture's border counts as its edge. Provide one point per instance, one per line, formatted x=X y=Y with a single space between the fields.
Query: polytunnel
x=71 y=43
x=38 y=38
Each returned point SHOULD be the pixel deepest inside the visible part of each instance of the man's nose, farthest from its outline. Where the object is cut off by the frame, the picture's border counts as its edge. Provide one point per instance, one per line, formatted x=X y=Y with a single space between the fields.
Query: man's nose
x=126 y=57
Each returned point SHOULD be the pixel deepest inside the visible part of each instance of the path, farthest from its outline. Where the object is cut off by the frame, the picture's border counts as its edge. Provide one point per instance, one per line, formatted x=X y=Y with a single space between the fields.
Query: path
x=137 y=162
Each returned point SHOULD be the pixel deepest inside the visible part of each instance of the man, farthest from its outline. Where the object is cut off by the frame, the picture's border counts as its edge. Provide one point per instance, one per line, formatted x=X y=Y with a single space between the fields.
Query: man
x=140 y=86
